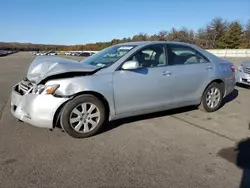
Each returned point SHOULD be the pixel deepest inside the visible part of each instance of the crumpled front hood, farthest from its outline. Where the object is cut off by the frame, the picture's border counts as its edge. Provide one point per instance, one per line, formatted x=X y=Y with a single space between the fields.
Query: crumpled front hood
x=44 y=66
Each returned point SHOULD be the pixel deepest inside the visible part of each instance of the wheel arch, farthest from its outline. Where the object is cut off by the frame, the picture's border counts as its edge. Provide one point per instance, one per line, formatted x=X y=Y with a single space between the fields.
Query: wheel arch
x=56 y=119
x=219 y=81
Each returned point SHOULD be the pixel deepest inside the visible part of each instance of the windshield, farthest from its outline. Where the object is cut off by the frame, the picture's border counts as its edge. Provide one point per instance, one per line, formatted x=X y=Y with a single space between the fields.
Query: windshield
x=108 y=56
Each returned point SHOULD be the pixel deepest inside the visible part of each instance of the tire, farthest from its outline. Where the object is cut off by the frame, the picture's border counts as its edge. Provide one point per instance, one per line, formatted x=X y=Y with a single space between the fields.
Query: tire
x=204 y=106
x=70 y=113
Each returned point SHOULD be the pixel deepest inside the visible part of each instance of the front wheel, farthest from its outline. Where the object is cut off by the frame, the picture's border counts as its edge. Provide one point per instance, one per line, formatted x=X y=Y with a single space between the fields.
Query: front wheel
x=83 y=116
x=212 y=98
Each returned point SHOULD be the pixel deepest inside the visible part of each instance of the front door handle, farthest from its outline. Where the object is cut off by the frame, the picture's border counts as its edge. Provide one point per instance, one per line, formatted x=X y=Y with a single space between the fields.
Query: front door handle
x=166 y=73
x=209 y=68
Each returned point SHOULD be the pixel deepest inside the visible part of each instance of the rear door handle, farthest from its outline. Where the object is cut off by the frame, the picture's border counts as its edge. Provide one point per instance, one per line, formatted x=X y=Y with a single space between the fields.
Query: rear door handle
x=166 y=73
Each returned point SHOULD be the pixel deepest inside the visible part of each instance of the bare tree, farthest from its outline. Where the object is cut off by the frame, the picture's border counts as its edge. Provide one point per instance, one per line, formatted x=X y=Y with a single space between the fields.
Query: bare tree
x=162 y=35
x=247 y=31
x=215 y=30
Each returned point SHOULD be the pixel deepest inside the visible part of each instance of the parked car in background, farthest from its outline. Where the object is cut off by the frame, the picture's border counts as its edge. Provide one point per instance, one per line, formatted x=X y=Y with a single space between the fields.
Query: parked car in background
x=67 y=53
x=6 y=52
x=42 y=53
x=52 y=53
x=120 y=81
x=75 y=53
x=3 y=52
x=243 y=73
x=85 y=54
x=34 y=52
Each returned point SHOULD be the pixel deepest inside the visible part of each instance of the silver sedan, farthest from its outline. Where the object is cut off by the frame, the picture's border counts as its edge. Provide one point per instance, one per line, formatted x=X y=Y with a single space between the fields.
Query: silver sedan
x=243 y=73
x=120 y=81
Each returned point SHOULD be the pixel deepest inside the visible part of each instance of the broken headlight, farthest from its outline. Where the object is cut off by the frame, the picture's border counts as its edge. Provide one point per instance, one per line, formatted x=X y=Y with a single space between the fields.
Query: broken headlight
x=45 y=89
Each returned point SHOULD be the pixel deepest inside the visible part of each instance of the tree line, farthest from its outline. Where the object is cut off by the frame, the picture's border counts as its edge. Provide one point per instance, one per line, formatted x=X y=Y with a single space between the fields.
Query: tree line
x=217 y=34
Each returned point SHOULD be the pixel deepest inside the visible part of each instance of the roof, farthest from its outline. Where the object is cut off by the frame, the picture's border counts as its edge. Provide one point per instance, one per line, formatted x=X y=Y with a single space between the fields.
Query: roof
x=154 y=42
x=209 y=55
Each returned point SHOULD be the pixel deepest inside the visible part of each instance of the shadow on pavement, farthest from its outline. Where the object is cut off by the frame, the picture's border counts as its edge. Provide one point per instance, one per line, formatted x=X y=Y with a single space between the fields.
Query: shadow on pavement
x=114 y=124
x=117 y=123
x=243 y=86
x=240 y=156
x=243 y=162
x=232 y=96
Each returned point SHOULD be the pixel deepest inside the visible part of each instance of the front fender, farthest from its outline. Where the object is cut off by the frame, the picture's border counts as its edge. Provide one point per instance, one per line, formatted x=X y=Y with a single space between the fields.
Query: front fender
x=100 y=84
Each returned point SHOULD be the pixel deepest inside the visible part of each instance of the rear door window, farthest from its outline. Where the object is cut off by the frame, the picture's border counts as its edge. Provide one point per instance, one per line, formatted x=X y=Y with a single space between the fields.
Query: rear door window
x=184 y=55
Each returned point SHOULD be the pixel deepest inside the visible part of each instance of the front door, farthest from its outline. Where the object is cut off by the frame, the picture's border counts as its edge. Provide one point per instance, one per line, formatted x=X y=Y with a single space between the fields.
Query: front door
x=147 y=88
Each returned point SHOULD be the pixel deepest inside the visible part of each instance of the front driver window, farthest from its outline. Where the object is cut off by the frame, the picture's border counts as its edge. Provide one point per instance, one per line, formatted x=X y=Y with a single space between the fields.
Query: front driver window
x=182 y=55
x=150 y=56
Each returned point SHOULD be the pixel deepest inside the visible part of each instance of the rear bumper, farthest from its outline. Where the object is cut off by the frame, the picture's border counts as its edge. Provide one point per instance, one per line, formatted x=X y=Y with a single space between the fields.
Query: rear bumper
x=36 y=110
x=242 y=78
x=229 y=85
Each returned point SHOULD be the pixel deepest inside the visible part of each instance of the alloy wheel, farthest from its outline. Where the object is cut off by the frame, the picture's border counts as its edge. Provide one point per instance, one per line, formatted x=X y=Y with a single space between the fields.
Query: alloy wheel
x=213 y=97
x=84 y=117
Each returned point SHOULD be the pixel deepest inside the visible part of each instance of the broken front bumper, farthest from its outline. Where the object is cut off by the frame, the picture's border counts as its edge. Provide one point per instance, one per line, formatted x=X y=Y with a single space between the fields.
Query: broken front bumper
x=243 y=78
x=34 y=109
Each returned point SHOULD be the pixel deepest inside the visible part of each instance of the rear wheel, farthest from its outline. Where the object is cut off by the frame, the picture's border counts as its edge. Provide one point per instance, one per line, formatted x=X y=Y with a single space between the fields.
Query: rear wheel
x=212 y=97
x=83 y=116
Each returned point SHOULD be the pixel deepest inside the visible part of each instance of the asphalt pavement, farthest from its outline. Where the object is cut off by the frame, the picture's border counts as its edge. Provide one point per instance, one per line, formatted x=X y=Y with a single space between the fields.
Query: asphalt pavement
x=178 y=148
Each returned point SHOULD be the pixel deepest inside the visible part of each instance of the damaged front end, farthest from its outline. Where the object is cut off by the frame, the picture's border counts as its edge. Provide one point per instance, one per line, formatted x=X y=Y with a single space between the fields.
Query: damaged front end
x=56 y=67
x=37 y=109
x=44 y=69
x=34 y=99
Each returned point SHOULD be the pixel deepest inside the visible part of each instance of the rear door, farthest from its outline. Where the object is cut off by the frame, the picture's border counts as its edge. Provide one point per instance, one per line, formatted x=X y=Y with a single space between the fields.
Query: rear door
x=191 y=71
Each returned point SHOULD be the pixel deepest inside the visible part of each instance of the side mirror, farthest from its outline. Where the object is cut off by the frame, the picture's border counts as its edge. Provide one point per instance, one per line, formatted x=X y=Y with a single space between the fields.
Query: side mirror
x=129 y=65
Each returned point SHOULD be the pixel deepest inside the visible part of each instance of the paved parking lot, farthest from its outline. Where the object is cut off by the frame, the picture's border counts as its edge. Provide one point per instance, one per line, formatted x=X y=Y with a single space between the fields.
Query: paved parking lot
x=177 y=149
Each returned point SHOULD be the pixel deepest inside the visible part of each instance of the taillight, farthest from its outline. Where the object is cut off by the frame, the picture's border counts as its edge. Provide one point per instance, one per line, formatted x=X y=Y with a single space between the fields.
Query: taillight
x=232 y=67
